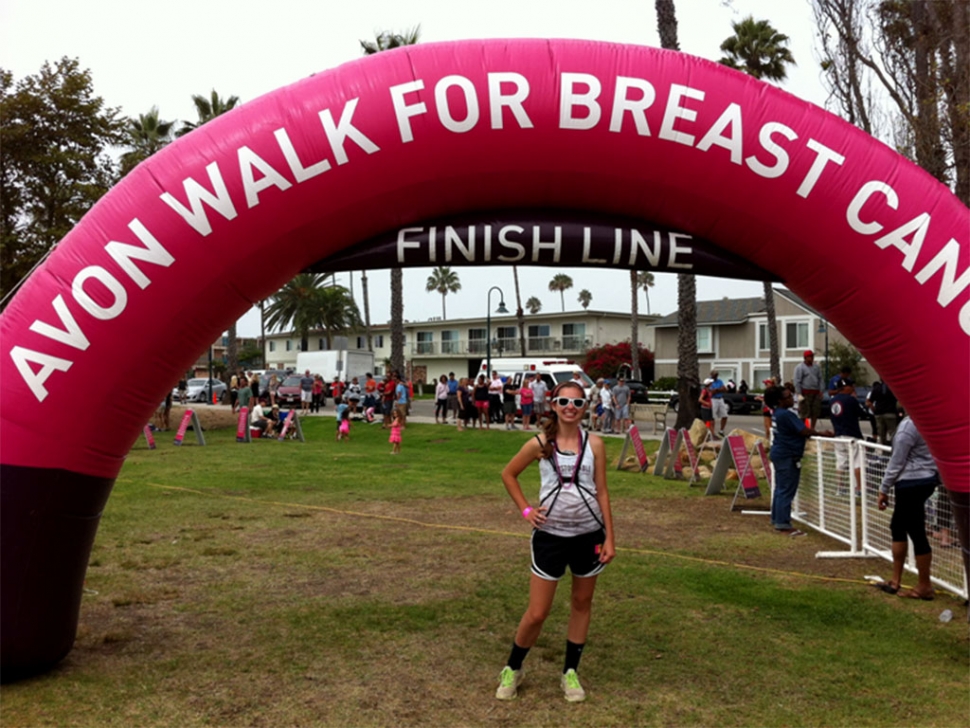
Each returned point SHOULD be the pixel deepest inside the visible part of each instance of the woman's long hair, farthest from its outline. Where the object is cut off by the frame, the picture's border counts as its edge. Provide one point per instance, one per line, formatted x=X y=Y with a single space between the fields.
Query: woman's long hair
x=549 y=424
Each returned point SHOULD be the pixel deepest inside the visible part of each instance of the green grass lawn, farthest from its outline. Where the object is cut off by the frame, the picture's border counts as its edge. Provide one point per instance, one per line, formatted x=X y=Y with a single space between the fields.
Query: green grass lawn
x=333 y=584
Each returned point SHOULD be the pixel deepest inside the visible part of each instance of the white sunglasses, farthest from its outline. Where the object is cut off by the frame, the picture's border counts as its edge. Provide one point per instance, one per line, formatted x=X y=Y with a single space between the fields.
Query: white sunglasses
x=577 y=402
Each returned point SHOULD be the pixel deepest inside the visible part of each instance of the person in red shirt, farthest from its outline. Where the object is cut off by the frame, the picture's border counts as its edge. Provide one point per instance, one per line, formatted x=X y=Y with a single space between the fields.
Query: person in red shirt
x=336 y=390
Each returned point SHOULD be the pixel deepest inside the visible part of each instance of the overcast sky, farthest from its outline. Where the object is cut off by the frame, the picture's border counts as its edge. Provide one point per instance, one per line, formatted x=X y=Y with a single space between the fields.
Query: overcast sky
x=160 y=55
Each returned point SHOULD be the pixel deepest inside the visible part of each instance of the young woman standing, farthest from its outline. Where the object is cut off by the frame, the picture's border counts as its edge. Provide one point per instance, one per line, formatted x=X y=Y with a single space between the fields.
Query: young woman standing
x=572 y=526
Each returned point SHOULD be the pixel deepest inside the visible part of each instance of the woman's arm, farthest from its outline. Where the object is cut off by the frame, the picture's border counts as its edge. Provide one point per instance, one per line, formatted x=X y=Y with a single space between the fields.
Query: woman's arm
x=529 y=452
x=603 y=497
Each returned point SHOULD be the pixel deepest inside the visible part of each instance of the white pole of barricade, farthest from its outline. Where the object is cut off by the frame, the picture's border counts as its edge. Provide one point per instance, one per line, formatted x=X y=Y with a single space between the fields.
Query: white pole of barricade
x=820 y=479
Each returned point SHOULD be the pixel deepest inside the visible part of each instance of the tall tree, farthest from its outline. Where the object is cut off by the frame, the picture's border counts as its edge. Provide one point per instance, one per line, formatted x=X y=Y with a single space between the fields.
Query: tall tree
x=561 y=282
x=336 y=312
x=54 y=164
x=443 y=280
x=144 y=136
x=519 y=314
x=534 y=305
x=634 y=326
x=585 y=298
x=688 y=382
x=386 y=41
x=759 y=50
x=900 y=70
x=206 y=110
x=645 y=280
x=297 y=305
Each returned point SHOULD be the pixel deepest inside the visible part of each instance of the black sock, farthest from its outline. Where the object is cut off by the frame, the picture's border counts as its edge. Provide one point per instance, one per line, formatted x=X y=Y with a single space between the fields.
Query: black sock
x=573 y=653
x=517 y=656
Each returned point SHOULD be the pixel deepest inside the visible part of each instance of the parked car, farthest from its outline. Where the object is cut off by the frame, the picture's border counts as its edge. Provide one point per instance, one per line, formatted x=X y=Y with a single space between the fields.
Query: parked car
x=638 y=392
x=289 y=391
x=198 y=390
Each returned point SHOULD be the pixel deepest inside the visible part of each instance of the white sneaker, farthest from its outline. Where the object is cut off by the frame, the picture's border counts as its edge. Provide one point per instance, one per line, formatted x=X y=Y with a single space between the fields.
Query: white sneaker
x=571 y=688
x=509 y=682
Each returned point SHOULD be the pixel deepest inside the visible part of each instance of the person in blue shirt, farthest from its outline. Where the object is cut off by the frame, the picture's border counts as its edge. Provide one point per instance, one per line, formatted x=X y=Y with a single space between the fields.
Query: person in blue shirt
x=453 y=405
x=788 y=436
x=845 y=411
x=719 y=408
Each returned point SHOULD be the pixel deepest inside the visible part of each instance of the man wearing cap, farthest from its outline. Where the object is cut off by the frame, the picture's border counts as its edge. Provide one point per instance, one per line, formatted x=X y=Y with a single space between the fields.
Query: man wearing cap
x=808 y=388
x=845 y=411
x=719 y=408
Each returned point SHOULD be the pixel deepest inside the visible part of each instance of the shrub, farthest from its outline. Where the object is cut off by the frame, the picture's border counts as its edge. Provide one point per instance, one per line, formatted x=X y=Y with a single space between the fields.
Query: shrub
x=605 y=361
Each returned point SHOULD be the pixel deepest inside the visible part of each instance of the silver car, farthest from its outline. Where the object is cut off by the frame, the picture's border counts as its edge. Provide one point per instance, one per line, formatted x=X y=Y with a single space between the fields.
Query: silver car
x=198 y=390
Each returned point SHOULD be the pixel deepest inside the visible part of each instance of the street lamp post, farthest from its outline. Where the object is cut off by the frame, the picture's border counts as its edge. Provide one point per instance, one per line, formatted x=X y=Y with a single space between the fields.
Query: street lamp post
x=488 y=325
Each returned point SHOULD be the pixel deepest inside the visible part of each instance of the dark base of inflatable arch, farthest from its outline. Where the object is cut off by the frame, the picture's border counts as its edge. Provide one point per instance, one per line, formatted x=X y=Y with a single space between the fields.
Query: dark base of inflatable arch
x=48 y=520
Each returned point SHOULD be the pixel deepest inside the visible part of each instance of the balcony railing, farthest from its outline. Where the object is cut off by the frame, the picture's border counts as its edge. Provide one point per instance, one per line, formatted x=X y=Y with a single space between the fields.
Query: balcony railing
x=535 y=346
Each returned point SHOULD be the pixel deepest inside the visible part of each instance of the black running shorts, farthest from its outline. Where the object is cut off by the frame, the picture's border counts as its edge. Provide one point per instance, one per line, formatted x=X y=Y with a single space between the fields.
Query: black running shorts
x=552 y=554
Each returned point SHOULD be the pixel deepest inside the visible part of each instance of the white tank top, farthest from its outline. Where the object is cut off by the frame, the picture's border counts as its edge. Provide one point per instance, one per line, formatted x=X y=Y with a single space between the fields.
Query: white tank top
x=571 y=502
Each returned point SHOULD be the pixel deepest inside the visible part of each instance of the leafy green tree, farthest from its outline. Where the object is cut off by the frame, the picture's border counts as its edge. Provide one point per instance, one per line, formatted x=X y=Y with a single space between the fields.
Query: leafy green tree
x=443 y=280
x=534 y=305
x=55 y=135
x=144 y=136
x=561 y=283
x=845 y=355
x=585 y=298
x=297 y=305
x=758 y=50
x=386 y=41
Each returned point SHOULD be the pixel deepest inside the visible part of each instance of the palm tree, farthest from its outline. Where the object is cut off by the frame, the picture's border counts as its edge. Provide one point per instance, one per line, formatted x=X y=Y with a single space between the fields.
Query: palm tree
x=519 y=315
x=688 y=384
x=144 y=136
x=560 y=282
x=757 y=49
x=208 y=109
x=634 y=328
x=336 y=312
x=443 y=280
x=585 y=297
x=645 y=281
x=534 y=305
x=297 y=304
x=386 y=41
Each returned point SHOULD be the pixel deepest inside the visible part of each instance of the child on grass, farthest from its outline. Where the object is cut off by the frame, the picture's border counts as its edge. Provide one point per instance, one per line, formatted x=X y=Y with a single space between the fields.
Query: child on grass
x=343 y=422
x=395 y=438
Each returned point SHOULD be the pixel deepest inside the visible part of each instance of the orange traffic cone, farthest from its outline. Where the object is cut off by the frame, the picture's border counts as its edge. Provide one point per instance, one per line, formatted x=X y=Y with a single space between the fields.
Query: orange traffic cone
x=215 y=398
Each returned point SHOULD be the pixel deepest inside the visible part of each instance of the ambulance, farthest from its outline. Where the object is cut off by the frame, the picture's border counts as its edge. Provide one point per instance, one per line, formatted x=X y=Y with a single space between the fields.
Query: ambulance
x=553 y=371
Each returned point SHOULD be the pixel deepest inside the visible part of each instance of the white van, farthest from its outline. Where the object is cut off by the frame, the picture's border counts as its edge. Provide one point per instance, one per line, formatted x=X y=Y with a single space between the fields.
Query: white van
x=551 y=370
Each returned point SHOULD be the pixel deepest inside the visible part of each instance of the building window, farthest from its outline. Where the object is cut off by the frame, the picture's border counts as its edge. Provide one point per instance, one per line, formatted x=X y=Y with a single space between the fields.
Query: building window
x=796 y=335
x=289 y=345
x=705 y=340
x=758 y=377
x=320 y=344
x=540 y=337
x=450 y=342
x=379 y=341
x=476 y=341
x=507 y=339
x=425 y=342
x=272 y=346
x=574 y=337
x=764 y=344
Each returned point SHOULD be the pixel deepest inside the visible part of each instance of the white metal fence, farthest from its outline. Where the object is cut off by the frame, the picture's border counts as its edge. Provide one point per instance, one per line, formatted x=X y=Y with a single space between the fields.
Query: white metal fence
x=831 y=501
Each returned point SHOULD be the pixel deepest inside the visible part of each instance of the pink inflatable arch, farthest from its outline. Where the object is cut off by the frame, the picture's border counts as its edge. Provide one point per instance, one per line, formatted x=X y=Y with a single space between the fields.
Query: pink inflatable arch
x=223 y=217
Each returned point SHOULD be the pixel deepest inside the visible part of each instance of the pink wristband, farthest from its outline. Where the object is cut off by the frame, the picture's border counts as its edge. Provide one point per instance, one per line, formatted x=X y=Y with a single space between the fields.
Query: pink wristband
x=526 y=511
